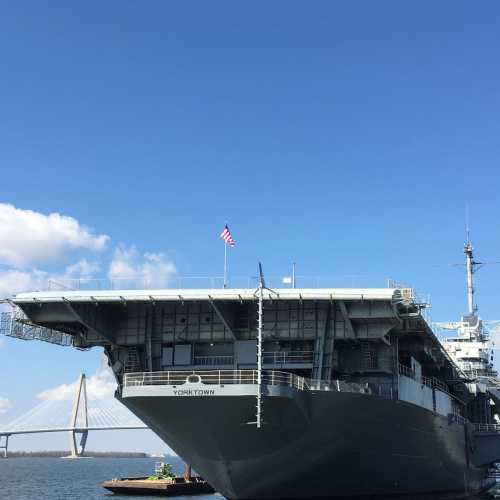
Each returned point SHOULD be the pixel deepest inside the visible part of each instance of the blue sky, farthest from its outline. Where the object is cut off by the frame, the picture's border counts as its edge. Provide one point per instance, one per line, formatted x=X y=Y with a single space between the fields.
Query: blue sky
x=347 y=136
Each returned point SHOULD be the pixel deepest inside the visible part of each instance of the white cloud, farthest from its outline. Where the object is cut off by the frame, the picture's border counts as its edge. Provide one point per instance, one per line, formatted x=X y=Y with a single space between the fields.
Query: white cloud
x=99 y=386
x=5 y=405
x=29 y=237
x=83 y=268
x=150 y=270
x=14 y=281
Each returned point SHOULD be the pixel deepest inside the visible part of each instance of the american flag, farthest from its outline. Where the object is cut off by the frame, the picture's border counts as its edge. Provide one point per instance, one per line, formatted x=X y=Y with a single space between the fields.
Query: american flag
x=226 y=236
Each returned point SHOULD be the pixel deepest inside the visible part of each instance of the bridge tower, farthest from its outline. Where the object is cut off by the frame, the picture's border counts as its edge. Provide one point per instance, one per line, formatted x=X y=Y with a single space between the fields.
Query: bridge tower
x=76 y=426
x=4 y=444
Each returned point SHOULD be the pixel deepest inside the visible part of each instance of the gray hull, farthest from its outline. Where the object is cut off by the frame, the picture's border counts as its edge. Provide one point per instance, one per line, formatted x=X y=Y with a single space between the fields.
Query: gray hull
x=315 y=444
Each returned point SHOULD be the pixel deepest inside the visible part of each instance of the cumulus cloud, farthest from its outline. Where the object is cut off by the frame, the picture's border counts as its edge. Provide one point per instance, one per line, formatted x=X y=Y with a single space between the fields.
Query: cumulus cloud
x=5 y=405
x=83 y=267
x=151 y=270
x=99 y=386
x=14 y=281
x=29 y=238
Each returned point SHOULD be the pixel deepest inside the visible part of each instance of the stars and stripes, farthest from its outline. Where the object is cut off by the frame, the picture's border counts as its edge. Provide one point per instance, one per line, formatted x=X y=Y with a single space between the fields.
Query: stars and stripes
x=226 y=236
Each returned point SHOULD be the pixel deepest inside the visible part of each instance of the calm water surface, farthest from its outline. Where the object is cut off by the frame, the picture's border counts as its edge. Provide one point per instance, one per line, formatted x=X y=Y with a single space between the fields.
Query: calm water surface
x=56 y=478
x=81 y=479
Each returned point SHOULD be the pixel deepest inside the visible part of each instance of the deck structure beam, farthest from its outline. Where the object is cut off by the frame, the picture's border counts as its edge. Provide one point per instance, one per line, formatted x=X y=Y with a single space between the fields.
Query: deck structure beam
x=222 y=318
x=347 y=320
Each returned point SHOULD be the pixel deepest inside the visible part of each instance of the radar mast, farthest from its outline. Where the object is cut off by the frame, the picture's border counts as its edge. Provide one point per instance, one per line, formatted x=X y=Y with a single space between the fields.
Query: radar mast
x=471 y=268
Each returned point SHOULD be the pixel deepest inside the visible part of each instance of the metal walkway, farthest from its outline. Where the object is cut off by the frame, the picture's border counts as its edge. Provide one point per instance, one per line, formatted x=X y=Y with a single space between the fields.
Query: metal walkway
x=15 y=324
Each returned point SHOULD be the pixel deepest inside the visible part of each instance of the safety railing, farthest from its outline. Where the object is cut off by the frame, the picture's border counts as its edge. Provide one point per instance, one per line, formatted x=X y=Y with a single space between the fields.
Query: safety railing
x=456 y=417
x=487 y=428
x=474 y=372
x=287 y=357
x=217 y=377
x=228 y=377
x=407 y=372
x=185 y=282
x=431 y=382
x=213 y=360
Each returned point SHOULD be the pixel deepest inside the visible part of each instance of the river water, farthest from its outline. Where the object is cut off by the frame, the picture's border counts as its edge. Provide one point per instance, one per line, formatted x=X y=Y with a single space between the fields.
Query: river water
x=81 y=479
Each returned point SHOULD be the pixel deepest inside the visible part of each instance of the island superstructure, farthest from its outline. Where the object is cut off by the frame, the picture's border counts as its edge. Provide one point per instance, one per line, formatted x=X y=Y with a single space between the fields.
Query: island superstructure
x=471 y=348
x=290 y=392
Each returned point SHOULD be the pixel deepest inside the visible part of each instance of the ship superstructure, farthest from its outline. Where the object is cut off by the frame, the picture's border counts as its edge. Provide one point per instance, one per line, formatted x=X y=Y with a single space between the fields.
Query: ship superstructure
x=268 y=392
x=471 y=348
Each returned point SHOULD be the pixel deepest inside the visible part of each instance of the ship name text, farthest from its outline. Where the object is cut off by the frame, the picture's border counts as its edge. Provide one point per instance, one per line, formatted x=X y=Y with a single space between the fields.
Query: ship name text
x=194 y=392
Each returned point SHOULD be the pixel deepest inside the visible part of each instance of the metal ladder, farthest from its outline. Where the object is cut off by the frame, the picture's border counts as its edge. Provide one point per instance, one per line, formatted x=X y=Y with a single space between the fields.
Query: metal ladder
x=368 y=355
x=132 y=363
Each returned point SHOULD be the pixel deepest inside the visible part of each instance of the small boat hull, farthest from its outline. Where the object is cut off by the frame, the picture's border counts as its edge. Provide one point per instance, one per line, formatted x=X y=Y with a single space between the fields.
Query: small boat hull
x=145 y=486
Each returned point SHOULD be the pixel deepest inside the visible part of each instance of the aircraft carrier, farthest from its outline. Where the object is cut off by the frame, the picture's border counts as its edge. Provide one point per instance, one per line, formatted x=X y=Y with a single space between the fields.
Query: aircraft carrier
x=295 y=392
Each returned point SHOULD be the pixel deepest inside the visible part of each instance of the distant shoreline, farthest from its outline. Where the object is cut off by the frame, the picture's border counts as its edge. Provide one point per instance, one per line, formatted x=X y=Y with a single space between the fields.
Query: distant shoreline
x=89 y=454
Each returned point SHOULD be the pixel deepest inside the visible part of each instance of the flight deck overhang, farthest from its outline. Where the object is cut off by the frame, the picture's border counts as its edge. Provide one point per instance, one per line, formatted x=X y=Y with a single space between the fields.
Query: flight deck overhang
x=109 y=296
x=217 y=325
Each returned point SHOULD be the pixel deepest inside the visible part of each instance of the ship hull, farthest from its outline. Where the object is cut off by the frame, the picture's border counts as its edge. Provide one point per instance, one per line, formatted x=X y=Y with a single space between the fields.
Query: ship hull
x=315 y=444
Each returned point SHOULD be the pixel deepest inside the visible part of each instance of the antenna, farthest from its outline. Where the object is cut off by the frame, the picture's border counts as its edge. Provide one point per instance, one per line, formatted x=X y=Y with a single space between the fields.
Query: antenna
x=260 y=326
x=262 y=283
x=467 y=228
x=470 y=268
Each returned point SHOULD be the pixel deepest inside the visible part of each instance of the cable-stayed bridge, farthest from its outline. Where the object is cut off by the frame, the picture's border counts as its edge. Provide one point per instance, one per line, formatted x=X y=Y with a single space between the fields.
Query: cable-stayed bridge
x=77 y=417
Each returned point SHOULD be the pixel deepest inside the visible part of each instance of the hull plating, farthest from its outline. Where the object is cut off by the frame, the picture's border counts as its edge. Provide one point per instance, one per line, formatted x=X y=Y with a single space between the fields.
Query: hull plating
x=315 y=444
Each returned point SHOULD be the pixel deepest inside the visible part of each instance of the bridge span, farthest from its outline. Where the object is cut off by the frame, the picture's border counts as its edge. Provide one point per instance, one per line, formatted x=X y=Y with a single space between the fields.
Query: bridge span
x=86 y=415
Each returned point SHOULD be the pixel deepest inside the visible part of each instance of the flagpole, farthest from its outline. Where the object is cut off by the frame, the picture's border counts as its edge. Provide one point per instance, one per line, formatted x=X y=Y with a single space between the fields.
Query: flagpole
x=225 y=264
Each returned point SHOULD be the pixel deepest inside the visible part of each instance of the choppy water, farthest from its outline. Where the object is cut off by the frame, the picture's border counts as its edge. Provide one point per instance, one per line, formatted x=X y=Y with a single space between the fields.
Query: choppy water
x=81 y=479
x=56 y=478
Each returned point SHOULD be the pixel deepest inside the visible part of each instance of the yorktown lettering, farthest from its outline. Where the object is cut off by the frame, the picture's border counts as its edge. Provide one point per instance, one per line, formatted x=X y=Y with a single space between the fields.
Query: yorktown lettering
x=194 y=392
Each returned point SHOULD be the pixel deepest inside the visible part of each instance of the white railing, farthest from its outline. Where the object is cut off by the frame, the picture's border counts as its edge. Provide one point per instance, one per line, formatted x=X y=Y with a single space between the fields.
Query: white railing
x=487 y=428
x=228 y=377
x=407 y=372
x=212 y=282
x=287 y=357
x=431 y=382
x=213 y=360
x=473 y=373
x=217 y=377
